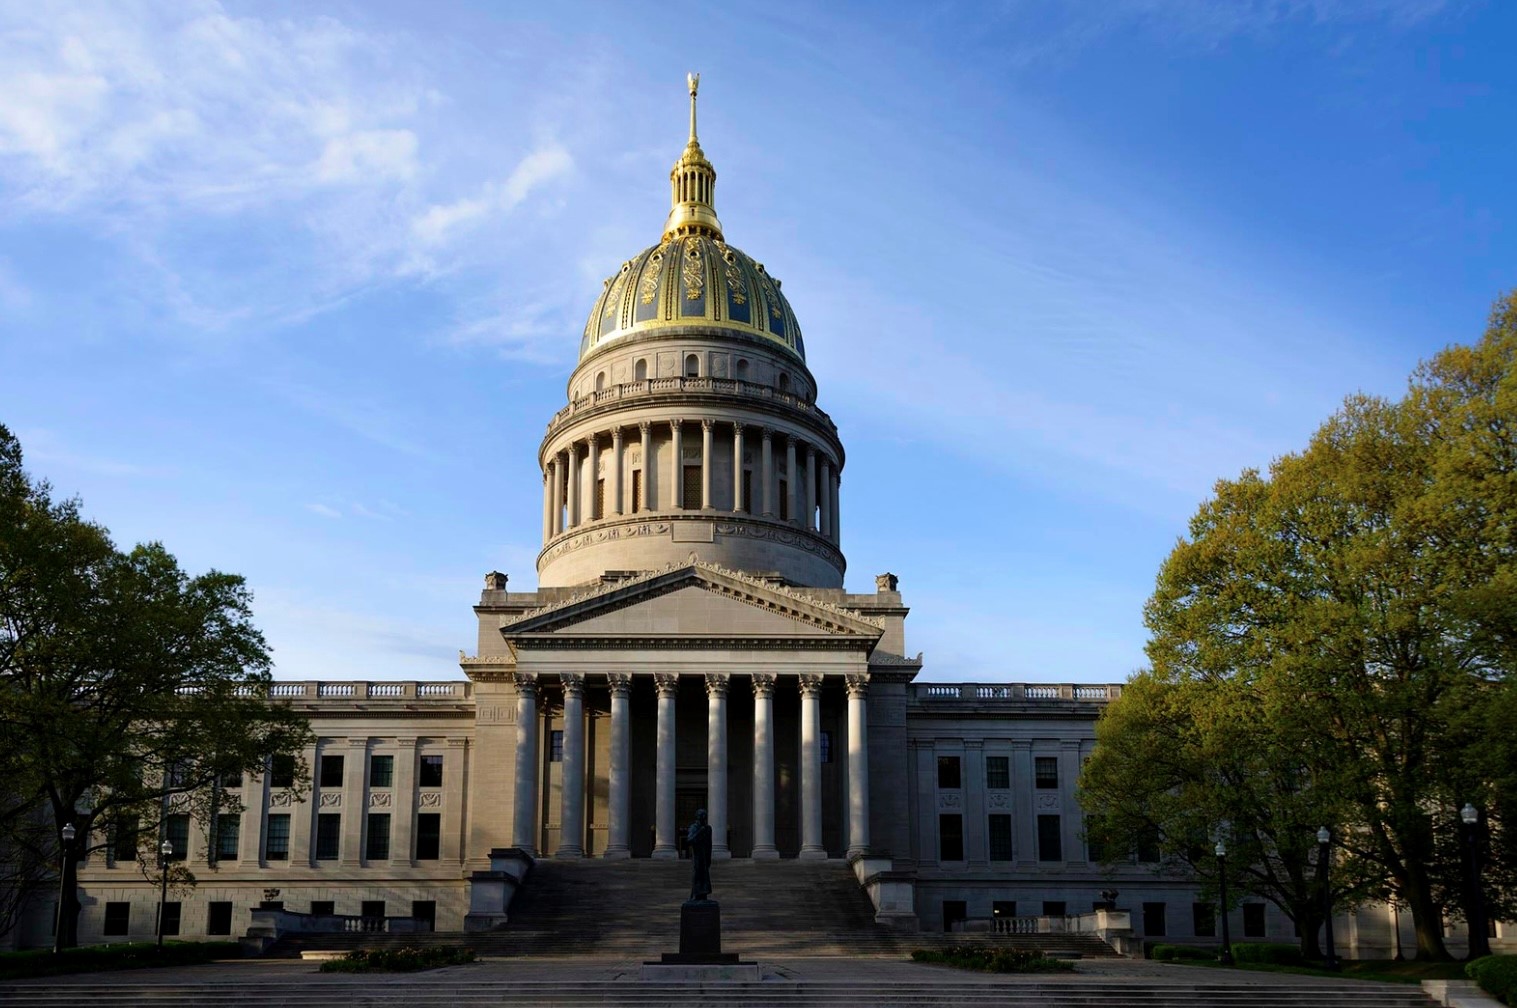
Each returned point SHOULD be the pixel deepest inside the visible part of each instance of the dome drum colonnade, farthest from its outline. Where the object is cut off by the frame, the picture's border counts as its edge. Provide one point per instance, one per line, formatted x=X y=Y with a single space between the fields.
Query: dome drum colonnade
x=531 y=690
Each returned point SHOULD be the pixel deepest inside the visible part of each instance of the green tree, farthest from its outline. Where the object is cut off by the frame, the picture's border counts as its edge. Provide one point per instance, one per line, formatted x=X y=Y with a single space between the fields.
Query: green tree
x=128 y=688
x=1360 y=601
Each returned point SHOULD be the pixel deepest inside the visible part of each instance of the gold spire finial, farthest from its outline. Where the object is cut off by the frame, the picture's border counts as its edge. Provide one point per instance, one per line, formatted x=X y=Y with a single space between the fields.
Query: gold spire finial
x=692 y=184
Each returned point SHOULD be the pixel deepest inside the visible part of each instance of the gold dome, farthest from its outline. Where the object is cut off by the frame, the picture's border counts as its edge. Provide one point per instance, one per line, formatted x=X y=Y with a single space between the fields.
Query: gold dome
x=692 y=277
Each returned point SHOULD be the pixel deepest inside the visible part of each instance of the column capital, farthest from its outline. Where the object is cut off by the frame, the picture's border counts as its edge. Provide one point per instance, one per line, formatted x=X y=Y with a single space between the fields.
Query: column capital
x=763 y=684
x=737 y=427
x=707 y=423
x=716 y=683
x=592 y=440
x=406 y=743
x=526 y=682
x=616 y=435
x=644 y=426
x=574 y=683
x=858 y=684
x=811 y=683
x=621 y=683
x=810 y=451
x=667 y=683
x=766 y=433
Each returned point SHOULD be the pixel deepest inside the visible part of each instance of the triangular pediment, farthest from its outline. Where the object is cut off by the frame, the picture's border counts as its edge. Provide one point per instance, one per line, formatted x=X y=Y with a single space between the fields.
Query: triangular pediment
x=696 y=600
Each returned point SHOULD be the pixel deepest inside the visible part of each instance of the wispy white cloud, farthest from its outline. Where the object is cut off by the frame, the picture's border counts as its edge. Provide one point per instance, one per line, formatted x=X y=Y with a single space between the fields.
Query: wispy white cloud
x=540 y=166
x=47 y=449
x=325 y=510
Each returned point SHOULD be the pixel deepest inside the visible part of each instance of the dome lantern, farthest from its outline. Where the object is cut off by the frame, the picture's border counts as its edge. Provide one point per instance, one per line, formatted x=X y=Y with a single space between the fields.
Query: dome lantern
x=692 y=184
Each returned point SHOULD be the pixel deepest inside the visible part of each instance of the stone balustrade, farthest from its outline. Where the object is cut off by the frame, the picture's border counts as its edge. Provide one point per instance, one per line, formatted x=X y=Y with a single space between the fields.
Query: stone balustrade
x=678 y=387
x=1020 y=692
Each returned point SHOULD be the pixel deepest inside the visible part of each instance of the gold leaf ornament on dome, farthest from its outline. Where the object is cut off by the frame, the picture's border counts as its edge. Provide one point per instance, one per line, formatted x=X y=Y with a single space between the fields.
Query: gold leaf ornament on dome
x=736 y=286
x=694 y=273
x=648 y=289
x=614 y=295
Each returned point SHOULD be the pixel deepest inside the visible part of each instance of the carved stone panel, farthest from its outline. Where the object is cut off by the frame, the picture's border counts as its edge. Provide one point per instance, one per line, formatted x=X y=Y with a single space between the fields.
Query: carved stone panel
x=379 y=799
x=950 y=801
x=331 y=799
x=1048 y=802
x=998 y=799
x=431 y=799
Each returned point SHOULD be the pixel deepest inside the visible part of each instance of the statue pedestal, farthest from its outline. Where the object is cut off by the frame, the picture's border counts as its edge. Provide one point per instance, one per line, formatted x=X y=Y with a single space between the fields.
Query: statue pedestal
x=700 y=956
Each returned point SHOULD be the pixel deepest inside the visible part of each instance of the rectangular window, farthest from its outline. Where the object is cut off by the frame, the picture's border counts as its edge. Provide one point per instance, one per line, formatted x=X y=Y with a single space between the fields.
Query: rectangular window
x=381 y=771
x=373 y=913
x=231 y=780
x=218 y=918
x=378 y=848
x=1203 y=920
x=171 y=910
x=1054 y=908
x=691 y=487
x=953 y=912
x=176 y=774
x=124 y=842
x=176 y=830
x=948 y=772
x=228 y=827
x=1148 y=847
x=323 y=908
x=1095 y=851
x=328 y=836
x=784 y=500
x=1003 y=908
x=277 y=837
x=425 y=911
x=118 y=918
x=1153 y=920
x=555 y=747
x=748 y=491
x=331 y=772
x=431 y=772
x=950 y=837
x=1050 y=842
x=1045 y=771
x=282 y=771
x=600 y=499
x=1000 y=837
x=998 y=771
x=637 y=491
x=826 y=746
x=428 y=836
x=1253 y=920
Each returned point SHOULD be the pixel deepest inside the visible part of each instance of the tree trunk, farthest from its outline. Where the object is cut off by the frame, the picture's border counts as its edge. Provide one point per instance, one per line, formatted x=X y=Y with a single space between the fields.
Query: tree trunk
x=1426 y=917
x=1309 y=922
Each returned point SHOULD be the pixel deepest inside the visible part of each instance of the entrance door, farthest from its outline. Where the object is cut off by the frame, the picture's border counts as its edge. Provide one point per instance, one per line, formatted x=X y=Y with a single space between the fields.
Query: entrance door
x=425 y=910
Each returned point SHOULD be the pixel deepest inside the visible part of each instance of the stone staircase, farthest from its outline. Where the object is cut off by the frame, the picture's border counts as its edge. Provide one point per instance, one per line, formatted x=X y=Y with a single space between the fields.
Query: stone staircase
x=451 y=989
x=631 y=908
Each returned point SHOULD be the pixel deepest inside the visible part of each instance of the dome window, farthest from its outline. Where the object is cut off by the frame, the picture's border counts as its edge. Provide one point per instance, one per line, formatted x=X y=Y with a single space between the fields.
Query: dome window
x=742 y=370
x=784 y=382
x=640 y=370
x=600 y=382
x=692 y=366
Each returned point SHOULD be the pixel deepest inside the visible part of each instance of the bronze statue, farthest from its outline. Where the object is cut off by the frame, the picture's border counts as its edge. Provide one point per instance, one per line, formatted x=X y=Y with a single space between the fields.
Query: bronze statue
x=698 y=840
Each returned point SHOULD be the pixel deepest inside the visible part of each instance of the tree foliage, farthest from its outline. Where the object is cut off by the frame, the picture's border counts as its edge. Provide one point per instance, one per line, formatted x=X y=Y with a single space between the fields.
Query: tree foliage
x=128 y=688
x=1332 y=645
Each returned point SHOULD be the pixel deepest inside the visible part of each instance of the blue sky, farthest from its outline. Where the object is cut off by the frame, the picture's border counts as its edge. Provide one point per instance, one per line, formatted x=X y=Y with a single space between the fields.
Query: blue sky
x=295 y=288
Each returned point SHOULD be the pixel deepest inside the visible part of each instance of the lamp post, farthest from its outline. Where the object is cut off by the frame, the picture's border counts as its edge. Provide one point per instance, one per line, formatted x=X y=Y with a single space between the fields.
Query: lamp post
x=1480 y=942
x=1396 y=927
x=1324 y=849
x=1225 y=957
x=68 y=833
x=165 y=851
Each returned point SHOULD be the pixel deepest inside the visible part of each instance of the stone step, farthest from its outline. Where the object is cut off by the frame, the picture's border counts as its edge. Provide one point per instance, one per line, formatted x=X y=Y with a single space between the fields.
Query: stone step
x=1011 y=992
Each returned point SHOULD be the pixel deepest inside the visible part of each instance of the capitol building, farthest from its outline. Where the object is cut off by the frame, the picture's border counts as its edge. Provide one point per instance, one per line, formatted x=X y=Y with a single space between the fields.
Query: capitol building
x=690 y=645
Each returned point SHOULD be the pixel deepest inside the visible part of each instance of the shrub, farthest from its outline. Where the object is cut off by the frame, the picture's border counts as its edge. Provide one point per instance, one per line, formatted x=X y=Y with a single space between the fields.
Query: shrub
x=1497 y=975
x=990 y=959
x=95 y=958
x=1277 y=954
x=399 y=960
x=1171 y=953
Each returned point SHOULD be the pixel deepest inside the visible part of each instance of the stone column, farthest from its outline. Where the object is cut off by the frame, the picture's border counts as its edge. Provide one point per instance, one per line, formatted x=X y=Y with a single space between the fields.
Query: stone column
x=927 y=801
x=767 y=475
x=355 y=803
x=677 y=482
x=548 y=501
x=837 y=511
x=716 y=763
x=810 y=522
x=646 y=504
x=620 y=798
x=976 y=843
x=811 y=768
x=615 y=483
x=558 y=495
x=592 y=465
x=792 y=480
x=524 y=824
x=737 y=467
x=824 y=508
x=402 y=832
x=455 y=766
x=763 y=767
x=667 y=685
x=571 y=816
x=858 y=764
x=572 y=519
x=706 y=457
